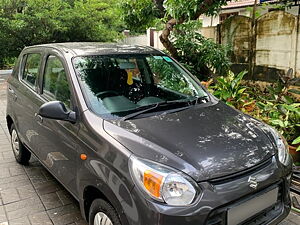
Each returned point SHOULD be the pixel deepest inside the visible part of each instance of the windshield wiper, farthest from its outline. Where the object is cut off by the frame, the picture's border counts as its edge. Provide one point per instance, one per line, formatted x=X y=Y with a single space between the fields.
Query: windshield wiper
x=145 y=109
x=199 y=100
x=149 y=108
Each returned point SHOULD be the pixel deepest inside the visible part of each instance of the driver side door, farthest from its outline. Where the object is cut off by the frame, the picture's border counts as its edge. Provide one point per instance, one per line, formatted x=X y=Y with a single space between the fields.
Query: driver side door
x=56 y=146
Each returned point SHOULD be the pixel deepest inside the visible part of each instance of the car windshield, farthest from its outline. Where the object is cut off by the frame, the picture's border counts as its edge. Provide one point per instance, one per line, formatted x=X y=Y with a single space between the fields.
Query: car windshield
x=123 y=84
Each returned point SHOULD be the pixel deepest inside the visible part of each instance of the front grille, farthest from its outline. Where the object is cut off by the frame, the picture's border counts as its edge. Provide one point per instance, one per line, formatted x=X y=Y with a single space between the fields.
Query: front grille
x=218 y=219
x=219 y=216
x=295 y=187
x=241 y=174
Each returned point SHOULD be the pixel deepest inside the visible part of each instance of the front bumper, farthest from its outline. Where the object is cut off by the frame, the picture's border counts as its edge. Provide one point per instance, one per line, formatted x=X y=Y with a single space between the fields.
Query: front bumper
x=218 y=196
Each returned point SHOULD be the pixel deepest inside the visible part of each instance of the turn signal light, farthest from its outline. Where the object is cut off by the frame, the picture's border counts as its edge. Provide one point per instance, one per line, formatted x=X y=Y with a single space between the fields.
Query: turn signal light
x=83 y=156
x=153 y=182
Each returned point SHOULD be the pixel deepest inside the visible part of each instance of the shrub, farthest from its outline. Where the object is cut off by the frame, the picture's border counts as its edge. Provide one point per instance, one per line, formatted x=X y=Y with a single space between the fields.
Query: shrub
x=275 y=106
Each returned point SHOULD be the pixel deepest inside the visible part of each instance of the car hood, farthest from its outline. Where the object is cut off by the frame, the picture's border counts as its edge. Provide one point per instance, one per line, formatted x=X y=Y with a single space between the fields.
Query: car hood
x=205 y=141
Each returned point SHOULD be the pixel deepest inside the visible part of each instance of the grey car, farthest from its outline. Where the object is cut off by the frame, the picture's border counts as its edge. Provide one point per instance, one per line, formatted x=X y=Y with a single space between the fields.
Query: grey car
x=137 y=140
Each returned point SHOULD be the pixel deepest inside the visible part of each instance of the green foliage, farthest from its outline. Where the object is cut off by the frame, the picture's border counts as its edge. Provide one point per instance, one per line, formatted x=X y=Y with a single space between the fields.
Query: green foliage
x=283 y=116
x=275 y=106
x=29 y=22
x=7 y=62
x=167 y=77
x=198 y=53
x=201 y=55
x=139 y=15
x=297 y=142
x=188 y=9
x=93 y=20
x=230 y=90
x=280 y=5
x=278 y=108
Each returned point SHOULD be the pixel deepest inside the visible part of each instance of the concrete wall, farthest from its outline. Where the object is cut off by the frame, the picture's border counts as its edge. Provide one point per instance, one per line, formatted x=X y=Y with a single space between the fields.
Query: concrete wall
x=212 y=21
x=276 y=41
x=276 y=47
x=157 y=43
x=235 y=31
x=210 y=32
x=136 y=40
x=145 y=39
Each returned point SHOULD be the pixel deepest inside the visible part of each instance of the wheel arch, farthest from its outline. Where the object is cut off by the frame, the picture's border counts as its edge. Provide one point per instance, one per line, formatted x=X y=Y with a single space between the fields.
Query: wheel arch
x=9 y=122
x=91 y=192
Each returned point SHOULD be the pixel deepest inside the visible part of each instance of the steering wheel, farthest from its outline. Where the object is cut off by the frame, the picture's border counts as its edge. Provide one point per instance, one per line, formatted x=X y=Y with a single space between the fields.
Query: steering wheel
x=105 y=94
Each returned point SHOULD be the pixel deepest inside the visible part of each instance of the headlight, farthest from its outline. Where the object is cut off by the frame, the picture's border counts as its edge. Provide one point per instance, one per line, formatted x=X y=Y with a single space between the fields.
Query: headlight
x=162 y=183
x=282 y=146
x=280 y=142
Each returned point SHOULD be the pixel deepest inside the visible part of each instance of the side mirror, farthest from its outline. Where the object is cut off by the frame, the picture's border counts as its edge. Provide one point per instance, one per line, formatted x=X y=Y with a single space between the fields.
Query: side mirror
x=57 y=110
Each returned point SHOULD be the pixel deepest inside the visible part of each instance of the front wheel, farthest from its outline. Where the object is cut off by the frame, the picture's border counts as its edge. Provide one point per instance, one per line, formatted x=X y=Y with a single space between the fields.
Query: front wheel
x=22 y=154
x=102 y=213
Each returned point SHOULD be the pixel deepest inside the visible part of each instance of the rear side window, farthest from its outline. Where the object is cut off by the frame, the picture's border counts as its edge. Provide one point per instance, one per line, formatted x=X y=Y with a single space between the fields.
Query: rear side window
x=31 y=69
x=55 y=83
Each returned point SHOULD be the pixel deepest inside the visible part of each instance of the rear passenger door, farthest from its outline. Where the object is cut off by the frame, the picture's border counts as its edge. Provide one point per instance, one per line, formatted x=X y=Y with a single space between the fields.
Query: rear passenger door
x=56 y=145
x=23 y=96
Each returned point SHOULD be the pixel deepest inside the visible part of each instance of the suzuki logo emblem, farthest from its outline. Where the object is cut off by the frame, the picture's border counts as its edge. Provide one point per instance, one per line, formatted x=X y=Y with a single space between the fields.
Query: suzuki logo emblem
x=252 y=182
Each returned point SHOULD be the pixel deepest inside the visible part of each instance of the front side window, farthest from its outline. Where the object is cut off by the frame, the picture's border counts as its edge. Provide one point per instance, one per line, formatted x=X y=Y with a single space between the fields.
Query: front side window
x=55 y=83
x=120 y=85
x=31 y=69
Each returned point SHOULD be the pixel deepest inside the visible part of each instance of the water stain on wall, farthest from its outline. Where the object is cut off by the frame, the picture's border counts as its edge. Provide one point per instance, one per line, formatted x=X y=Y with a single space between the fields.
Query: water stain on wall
x=276 y=45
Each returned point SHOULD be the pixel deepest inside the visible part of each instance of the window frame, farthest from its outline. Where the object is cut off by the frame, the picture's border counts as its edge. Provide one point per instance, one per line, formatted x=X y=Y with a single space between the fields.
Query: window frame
x=41 y=83
x=35 y=86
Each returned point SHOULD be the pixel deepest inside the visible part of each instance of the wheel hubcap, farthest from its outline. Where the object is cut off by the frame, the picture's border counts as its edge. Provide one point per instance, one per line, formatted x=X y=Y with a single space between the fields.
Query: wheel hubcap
x=15 y=142
x=102 y=219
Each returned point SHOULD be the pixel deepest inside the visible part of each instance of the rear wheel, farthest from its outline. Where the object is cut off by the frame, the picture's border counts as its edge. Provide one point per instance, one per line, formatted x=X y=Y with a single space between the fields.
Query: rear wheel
x=22 y=154
x=102 y=213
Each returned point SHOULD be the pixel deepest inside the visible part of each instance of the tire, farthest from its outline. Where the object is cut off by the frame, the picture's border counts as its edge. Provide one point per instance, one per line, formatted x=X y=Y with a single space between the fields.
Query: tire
x=22 y=154
x=102 y=209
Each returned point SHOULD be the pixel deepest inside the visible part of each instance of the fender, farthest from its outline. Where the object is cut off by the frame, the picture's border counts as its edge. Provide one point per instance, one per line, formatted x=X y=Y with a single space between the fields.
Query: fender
x=111 y=187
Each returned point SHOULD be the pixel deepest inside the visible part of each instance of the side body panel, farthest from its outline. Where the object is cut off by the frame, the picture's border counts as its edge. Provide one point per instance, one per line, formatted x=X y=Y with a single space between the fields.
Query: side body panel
x=56 y=143
x=106 y=167
x=21 y=102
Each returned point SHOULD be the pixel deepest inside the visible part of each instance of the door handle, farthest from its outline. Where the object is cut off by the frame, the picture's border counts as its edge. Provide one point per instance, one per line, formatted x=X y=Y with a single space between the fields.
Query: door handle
x=12 y=92
x=39 y=118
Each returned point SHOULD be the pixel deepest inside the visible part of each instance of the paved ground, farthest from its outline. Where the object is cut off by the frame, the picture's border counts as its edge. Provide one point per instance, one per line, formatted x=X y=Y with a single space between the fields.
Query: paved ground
x=30 y=195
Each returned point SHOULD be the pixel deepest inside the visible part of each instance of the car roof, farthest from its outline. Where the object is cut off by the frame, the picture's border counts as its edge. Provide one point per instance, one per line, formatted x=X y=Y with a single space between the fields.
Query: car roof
x=96 y=48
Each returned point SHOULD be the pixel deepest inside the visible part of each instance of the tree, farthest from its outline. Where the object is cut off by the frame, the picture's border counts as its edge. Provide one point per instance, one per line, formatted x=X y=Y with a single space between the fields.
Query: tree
x=29 y=22
x=140 y=15
x=172 y=12
x=93 y=20
x=179 y=35
x=202 y=56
